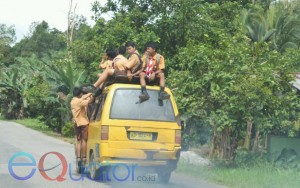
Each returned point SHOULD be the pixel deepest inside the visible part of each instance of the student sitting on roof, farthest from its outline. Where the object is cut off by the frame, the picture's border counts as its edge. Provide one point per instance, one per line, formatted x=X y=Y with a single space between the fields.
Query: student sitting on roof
x=119 y=67
x=153 y=67
x=121 y=53
x=134 y=65
x=106 y=63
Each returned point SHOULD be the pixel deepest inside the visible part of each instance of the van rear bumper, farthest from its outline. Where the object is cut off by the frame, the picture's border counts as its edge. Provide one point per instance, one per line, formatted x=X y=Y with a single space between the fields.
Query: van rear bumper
x=116 y=154
x=112 y=161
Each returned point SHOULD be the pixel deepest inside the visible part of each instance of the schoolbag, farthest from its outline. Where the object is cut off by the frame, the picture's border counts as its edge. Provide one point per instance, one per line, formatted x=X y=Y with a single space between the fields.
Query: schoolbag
x=140 y=63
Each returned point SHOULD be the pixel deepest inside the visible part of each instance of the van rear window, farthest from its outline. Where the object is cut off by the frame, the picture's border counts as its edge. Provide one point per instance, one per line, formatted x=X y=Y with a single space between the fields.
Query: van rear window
x=126 y=105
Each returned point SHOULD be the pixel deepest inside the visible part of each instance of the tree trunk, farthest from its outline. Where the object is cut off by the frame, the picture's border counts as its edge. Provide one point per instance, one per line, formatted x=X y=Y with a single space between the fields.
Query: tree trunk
x=266 y=142
x=256 y=142
x=71 y=23
x=248 y=135
x=222 y=148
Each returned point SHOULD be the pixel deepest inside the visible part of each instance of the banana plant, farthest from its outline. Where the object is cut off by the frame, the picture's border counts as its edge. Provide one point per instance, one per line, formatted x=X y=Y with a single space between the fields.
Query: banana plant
x=14 y=84
x=278 y=24
x=64 y=78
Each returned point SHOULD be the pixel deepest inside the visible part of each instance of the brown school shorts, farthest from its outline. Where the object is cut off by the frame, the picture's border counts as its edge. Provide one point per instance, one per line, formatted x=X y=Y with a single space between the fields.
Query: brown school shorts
x=120 y=76
x=120 y=73
x=81 y=132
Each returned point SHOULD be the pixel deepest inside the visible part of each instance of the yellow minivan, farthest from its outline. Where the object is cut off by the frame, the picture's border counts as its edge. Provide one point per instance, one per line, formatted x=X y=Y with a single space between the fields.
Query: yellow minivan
x=128 y=134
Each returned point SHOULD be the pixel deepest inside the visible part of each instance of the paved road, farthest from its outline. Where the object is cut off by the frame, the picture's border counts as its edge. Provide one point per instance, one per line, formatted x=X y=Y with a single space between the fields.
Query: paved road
x=31 y=145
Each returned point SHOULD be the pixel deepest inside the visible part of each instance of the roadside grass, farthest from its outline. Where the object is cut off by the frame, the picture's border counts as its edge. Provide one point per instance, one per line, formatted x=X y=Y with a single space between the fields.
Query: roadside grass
x=259 y=176
x=37 y=125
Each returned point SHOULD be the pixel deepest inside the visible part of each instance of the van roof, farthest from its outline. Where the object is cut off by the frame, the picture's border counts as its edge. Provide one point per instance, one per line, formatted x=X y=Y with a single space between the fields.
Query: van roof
x=137 y=86
x=122 y=82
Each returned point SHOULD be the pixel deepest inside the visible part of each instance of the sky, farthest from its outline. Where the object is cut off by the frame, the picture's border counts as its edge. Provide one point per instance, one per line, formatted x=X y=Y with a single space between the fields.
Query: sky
x=21 y=13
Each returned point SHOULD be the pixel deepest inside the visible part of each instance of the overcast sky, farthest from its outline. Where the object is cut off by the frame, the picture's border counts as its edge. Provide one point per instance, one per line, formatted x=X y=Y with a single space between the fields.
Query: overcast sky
x=21 y=13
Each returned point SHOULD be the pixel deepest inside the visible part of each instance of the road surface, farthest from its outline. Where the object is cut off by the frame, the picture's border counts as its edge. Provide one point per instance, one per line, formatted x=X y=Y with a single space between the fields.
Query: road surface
x=21 y=146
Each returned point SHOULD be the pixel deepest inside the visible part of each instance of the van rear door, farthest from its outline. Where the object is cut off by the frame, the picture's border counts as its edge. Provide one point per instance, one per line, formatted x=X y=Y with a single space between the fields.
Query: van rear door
x=147 y=125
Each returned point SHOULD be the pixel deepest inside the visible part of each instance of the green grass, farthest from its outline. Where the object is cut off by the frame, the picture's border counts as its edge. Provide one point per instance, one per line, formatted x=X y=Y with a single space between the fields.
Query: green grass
x=41 y=127
x=262 y=176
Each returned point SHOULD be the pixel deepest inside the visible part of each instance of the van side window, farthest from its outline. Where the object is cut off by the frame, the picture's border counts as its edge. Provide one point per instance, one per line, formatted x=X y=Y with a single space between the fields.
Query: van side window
x=91 y=109
x=99 y=109
x=92 y=116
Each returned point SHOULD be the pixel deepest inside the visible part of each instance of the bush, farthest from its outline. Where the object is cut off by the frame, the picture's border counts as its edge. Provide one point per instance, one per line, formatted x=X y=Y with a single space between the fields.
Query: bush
x=286 y=159
x=68 y=129
x=245 y=158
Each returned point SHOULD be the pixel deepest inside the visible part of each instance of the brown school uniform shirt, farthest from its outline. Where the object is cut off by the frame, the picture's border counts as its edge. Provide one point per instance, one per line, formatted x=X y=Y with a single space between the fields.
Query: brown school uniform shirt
x=133 y=62
x=120 y=62
x=107 y=64
x=79 y=109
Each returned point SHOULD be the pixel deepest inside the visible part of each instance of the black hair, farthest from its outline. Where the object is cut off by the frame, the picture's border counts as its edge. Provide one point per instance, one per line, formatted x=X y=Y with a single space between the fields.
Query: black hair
x=85 y=89
x=145 y=47
x=153 y=45
x=130 y=43
x=122 y=50
x=111 y=53
x=77 y=91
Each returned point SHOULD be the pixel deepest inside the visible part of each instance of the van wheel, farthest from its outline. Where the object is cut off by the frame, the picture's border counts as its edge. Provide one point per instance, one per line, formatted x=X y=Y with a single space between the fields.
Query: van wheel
x=164 y=177
x=94 y=169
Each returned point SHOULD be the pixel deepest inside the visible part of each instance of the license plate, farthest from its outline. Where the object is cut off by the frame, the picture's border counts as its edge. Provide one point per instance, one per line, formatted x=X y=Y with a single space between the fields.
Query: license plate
x=140 y=136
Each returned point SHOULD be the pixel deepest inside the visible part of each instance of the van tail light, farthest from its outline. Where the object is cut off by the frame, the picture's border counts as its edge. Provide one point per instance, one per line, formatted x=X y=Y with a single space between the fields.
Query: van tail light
x=104 y=132
x=177 y=136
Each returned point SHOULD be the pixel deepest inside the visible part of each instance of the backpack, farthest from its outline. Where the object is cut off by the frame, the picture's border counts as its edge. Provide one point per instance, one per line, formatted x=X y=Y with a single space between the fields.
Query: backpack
x=140 y=63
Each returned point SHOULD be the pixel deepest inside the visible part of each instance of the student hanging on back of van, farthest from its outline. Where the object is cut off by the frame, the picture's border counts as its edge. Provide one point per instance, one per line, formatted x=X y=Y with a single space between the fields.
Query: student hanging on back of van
x=79 y=104
x=153 y=67
x=119 y=67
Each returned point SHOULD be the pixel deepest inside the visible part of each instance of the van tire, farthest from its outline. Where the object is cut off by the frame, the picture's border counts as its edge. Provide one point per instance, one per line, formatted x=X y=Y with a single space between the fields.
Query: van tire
x=94 y=170
x=164 y=177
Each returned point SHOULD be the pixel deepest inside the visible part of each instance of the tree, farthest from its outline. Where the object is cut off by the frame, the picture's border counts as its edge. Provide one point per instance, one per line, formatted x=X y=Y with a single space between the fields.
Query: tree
x=7 y=37
x=7 y=34
x=42 y=41
x=228 y=91
x=278 y=24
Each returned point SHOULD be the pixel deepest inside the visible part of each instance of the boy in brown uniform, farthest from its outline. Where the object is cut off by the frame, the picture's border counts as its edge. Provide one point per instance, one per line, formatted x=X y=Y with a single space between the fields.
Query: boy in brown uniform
x=79 y=104
x=106 y=63
x=119 y=67
x=120 y=56
x=134 y=65
x=153 y=67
